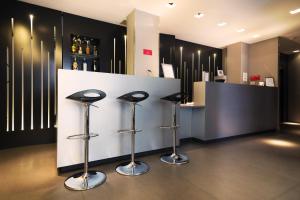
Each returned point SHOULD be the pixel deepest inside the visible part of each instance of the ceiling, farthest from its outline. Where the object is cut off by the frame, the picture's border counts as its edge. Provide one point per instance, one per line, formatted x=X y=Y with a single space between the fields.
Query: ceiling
x=288 y=46
x=266 y=18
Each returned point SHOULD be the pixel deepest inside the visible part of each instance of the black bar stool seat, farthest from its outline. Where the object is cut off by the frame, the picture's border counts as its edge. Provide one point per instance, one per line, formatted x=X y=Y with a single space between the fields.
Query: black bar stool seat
x=175 y=98
x=135 y=96
x=87 y=179
x=88 y=96
x=174 y=157
x=133 y=167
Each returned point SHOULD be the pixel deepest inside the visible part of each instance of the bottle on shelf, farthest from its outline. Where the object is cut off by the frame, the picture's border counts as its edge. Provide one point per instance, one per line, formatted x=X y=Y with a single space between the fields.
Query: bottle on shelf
x=95 y=51
x=74 y=45
x=84 y=65
x=75 y=64
x=95 y=66
x=87 y=50
x=80 y=48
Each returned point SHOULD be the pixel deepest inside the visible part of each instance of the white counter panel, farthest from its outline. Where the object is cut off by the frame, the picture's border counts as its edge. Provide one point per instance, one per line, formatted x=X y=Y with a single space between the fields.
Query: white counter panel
x=112 y=115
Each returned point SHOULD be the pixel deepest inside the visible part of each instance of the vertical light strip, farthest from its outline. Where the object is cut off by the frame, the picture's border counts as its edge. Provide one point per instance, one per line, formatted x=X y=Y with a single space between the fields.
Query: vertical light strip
x=171 y=55
x=125 y=48
x=111 y=66
x=187 y=83
x=215 y=55
x=114 y=55
x=48 y=79
x=199 y=64
x=202 y=76
x=120 y=67
x=22 y=89
x=163 y=60
x=193 y=66
x=181 y=72
x=184 y=67
x=177 y=72
x=31 y=52
x=7 y=89
x=55 y=73
x=209 y=68
x=12 y=76
x=42 y=85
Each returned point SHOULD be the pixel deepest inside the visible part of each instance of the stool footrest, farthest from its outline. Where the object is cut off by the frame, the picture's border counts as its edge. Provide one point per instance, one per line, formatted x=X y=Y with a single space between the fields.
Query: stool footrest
x=82 y=136
x=129 y=131
x=169 y=127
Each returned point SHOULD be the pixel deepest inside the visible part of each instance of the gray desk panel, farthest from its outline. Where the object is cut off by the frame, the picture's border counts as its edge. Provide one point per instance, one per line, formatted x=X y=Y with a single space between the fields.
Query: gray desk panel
x=233 y=109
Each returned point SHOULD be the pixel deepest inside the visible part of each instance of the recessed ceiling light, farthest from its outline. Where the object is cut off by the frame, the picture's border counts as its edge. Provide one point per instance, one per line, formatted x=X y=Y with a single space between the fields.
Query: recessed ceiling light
x=296 y=51
x=292 y=12
x=199 y=15
x=240 y=30
x=222 y=24
x=256 y=36
x=170 y=4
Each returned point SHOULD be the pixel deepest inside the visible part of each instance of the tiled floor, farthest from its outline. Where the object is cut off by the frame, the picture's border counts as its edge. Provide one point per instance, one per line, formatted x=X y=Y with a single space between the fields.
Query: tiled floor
x=255 y=167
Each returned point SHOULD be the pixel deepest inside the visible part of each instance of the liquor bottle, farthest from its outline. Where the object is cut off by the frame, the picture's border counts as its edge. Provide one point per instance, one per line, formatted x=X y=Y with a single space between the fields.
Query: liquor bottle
x=95 y=51
x=75 y=64
x=87 y=50
x=74 y=46
x=84 y=64
x=95 y=66
x=80 y=48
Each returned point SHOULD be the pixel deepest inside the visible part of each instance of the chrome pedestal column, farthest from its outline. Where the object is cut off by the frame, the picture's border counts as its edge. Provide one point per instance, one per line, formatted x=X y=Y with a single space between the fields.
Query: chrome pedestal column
x=174 y=157
x=132 y=168
x=87 y=179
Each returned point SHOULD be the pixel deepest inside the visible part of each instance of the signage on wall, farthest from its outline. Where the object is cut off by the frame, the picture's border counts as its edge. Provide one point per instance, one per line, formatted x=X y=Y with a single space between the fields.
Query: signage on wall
x=147 y=52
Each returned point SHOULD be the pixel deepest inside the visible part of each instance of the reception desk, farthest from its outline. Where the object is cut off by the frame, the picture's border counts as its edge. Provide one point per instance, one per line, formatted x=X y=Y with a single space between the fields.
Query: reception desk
x=225 y=110
x=112 y=115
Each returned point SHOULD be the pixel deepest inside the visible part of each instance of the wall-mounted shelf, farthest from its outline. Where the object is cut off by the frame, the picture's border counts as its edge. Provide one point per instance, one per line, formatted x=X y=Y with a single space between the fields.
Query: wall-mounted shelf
x=85 y=49
x=82 y=56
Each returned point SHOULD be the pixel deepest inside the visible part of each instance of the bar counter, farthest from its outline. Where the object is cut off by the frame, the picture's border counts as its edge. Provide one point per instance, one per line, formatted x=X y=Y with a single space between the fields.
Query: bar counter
x=112 y=115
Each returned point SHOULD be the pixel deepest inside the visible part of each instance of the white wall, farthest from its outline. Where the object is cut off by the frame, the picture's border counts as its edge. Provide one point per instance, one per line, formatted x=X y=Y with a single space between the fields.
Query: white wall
x=142 y=33
x=236 y=59
x=260 y=58
x=263 y=59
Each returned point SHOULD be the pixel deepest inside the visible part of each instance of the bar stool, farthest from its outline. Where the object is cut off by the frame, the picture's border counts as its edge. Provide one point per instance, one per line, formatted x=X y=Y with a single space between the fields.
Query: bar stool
x=174 y=157
x=133 y=167
x=87 y=179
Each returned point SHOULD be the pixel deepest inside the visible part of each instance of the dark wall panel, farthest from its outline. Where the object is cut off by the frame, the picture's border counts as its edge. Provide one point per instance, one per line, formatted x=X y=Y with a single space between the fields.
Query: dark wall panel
x=105 y=32
x=294 y=88
x=185 y=66
x=44 y=22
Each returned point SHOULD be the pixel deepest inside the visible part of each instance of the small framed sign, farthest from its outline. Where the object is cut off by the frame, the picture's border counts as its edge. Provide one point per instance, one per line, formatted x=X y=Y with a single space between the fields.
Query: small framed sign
x=269 y=81
x=261 y=83
x=220 y=73
x=168 y=70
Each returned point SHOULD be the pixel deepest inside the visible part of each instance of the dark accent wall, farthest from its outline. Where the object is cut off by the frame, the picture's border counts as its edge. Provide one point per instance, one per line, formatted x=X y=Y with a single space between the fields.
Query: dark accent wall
x=289 y=73
x=43 y=23
x=105 y=32
x=293 y=88
x=283 y=87
x=170 y=54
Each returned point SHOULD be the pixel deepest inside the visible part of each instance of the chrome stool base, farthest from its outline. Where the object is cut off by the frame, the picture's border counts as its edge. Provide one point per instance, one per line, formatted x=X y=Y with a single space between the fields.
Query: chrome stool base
x=85 y=181
x=174 y=159
x=132 y=168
